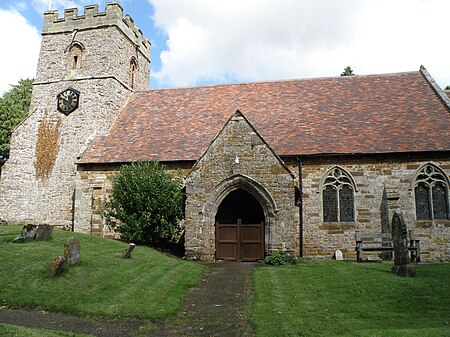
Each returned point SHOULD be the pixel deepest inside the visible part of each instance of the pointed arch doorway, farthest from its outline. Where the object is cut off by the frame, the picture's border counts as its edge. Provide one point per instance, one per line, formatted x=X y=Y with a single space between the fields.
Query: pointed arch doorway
x=240 y=227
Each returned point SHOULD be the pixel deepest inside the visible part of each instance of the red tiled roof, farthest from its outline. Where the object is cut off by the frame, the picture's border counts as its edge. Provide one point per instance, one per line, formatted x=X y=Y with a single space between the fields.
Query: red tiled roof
x=342 y=115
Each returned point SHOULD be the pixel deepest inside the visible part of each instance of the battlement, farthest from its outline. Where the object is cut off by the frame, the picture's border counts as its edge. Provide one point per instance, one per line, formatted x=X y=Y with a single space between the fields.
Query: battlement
x=92 y=18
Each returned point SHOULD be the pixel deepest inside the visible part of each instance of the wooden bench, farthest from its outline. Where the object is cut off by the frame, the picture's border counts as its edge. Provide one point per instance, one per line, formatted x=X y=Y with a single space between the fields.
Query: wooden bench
x=382 y=242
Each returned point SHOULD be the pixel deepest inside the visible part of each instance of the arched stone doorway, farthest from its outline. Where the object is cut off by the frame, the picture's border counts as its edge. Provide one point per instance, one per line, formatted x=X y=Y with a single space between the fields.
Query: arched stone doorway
x=244 y=199
x=239 y=227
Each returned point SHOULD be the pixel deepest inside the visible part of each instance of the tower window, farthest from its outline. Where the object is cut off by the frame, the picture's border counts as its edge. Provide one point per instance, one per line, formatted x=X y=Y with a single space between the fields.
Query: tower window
x=338 y=196
x=133 y=69
x=75 y=52
x=431 y=194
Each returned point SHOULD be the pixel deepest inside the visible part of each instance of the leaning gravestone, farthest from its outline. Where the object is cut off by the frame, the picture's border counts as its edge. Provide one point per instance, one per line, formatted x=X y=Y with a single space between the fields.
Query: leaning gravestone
x=127 y=252
x=72 y=250
x=58 y=265
x=402 y=262
x=32 y=232
x=43 y=232
x=28 y=234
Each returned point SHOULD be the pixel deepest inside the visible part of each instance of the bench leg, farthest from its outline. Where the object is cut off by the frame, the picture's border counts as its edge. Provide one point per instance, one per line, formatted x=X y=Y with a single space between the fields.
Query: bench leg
x=359 y=254
x=418 y=251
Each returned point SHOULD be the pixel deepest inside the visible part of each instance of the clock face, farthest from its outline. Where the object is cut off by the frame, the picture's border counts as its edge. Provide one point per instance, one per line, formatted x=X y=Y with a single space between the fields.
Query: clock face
x=68 y=100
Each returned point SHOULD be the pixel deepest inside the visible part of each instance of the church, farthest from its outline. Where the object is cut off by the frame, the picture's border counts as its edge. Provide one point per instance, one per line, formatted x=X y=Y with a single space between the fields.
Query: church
x=297 y=165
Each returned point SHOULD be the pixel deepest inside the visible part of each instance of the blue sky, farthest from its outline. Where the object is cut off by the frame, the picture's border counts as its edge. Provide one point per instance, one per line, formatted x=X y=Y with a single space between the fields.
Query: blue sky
x=198 y=42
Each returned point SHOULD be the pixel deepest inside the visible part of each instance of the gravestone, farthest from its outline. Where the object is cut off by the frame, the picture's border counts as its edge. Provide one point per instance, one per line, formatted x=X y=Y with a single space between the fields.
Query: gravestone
x=43 y=232
x=127 y=252
x=58 y=265
x=72 y=250
x=28 y=234
x=402 y=262
x=338 y=255
x=32 y=232
x=384 y=211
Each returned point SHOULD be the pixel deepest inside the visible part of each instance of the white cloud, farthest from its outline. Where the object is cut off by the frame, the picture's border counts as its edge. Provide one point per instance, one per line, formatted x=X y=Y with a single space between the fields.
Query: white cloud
x=271 y=39
x=19 y=56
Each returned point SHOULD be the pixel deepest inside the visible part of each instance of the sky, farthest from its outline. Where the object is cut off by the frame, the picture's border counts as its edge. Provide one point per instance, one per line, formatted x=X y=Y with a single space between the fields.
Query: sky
x=197 y=42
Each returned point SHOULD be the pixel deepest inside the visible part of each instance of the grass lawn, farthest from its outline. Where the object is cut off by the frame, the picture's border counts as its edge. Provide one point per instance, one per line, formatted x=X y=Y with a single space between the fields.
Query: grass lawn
x=149 y=285
x=338 y=298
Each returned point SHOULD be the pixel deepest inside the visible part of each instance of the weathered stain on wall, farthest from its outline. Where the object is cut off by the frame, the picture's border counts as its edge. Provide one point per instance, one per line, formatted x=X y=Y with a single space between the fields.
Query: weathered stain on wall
x=103 y=76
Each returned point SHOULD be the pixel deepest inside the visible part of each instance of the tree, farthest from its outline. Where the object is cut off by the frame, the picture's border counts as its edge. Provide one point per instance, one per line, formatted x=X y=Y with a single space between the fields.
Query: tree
x=347 y=72
x=447 y=87
x=146 y=203
x=14 y=106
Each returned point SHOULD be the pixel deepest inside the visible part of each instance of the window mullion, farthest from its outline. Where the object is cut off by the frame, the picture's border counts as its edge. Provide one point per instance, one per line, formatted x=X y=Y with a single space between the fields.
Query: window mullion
x=430 y=201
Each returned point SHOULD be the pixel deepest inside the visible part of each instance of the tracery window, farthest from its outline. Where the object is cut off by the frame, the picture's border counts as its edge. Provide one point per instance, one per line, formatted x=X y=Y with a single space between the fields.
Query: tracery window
x=431 y=194
x=338 y=196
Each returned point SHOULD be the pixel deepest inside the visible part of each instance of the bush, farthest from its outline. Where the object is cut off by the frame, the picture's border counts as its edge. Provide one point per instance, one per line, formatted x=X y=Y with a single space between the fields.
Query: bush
x=146 y=203
x=277 y=258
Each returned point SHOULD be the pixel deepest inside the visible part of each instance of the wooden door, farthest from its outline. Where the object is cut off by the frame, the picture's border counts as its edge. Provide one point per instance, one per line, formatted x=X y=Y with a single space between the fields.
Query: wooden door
x=227 y=242
x=240 y=241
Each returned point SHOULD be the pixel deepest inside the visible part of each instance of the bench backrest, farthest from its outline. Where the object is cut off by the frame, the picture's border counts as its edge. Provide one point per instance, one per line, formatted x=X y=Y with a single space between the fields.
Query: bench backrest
x=379 y=237
x=364 y=236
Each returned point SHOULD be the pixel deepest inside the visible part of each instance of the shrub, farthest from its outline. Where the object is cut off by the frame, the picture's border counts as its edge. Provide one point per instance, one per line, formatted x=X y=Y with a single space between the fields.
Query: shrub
x=277 y=258
x=146 y=203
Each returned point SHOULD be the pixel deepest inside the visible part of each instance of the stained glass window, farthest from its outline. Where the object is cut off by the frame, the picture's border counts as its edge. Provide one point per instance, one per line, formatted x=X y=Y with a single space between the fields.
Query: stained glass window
x=346 y=203
x=431 y=193
x=330 y=204
x=440 y=201
x=423 y=202
x=338 y=197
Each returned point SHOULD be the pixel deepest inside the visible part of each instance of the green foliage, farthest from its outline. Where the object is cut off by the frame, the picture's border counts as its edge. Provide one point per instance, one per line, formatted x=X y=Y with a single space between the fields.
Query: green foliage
x=447 y=87
x=338 y=298
x=148 y=285
x=14 y=107
x=347 y=72
x=277 y=258
x=145 y=204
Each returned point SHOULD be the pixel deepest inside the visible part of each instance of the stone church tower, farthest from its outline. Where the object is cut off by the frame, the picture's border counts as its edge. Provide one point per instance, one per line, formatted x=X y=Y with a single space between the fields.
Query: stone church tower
x=88 y=67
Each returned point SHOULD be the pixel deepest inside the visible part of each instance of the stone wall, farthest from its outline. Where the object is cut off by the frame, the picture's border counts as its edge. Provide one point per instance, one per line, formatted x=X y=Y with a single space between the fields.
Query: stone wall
x=94 y=185
x=103 y=78
x=372 y=175
x=380 y=180
x=239 y=158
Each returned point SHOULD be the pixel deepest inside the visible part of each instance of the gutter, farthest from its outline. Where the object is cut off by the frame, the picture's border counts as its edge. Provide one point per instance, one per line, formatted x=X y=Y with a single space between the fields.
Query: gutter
x=300 y=201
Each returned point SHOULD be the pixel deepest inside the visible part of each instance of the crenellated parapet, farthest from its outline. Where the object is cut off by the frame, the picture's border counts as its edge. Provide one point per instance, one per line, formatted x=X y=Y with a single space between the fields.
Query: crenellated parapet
x=92 y=18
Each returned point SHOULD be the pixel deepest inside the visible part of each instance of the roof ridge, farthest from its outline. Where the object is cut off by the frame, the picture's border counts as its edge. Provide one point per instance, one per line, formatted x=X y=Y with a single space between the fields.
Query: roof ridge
x=304 y=79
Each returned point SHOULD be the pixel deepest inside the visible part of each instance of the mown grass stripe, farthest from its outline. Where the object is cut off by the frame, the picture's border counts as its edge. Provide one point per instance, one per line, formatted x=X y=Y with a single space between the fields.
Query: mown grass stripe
x=149 y=285
x=333 y=298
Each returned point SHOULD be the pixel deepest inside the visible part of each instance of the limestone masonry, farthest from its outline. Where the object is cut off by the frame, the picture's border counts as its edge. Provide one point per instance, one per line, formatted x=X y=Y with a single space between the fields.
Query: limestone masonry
x=105 y=43
x=298 y=166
